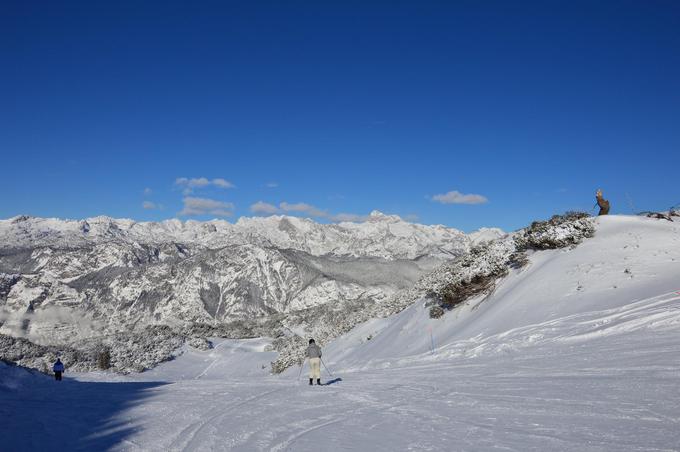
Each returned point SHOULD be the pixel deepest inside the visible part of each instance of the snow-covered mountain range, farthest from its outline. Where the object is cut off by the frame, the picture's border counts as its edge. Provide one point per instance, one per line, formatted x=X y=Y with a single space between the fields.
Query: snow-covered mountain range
x=573 y=349
x=65 y=280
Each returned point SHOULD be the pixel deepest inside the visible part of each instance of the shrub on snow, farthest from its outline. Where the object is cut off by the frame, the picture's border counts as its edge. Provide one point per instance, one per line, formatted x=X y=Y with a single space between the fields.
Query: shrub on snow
x=558 y=232
x=477 y=272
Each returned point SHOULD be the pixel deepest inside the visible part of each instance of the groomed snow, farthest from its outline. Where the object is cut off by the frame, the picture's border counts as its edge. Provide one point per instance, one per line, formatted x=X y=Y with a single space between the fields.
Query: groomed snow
x=577 y=351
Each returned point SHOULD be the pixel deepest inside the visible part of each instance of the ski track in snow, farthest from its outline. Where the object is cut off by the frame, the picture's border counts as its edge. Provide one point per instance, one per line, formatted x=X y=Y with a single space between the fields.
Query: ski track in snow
x=194 y=439
x=539 y=399
x=549 y=395
x=216 y=358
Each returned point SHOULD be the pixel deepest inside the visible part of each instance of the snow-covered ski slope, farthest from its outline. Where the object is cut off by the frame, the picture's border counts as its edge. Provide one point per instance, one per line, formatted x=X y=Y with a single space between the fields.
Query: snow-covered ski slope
x=579 y=350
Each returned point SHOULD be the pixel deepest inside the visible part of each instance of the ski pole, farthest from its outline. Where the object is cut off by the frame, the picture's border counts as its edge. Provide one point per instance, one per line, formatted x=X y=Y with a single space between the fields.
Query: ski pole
x=301 y=367
x=324 y=366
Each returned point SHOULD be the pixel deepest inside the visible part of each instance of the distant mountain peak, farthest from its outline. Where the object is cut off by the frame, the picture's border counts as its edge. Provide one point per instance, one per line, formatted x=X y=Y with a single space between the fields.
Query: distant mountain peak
x=377 y=215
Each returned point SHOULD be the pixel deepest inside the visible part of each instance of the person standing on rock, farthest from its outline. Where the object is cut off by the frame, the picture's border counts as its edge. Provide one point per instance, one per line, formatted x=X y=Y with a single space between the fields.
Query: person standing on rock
x=603 y=203
x=58 y=369
x=314 y=355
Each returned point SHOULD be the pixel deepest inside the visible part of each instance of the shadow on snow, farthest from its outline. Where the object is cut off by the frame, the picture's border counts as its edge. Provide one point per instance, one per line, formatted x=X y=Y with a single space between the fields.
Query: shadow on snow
x=70 y=415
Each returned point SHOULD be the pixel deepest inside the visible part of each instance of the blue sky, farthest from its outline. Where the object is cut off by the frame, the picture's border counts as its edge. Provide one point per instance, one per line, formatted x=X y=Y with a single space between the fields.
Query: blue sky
x=462 y=113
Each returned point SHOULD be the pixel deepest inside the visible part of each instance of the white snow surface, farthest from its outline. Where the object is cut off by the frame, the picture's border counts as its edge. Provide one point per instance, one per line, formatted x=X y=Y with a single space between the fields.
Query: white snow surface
x=576 y=351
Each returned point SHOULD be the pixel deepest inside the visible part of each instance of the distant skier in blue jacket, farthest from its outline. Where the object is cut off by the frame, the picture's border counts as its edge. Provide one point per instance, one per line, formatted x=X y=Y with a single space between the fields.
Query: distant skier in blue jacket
x=314 y=355
x=58 y=369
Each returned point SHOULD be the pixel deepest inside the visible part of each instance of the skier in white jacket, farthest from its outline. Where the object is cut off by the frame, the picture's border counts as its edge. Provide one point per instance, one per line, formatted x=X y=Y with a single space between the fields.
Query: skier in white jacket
x=314 y=355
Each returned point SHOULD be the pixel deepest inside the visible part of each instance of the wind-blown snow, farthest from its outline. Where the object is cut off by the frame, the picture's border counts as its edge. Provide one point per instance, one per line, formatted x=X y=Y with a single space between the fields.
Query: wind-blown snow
x=576 y=351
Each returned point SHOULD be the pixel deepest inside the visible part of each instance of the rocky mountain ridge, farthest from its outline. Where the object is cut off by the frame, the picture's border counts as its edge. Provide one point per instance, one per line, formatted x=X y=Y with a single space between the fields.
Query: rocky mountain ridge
x=67 y=281
x=383 y=236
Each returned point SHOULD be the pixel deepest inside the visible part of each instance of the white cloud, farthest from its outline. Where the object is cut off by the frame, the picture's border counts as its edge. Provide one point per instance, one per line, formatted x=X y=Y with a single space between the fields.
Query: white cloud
x=189 y=184
x=222 y=183
x=221 y=212
x=147 y=191
x=205 y=206
x=456 y=197
x=272 y=184
x=304 y=208
x=263 y=207
x=148 y=205
x=193 y=182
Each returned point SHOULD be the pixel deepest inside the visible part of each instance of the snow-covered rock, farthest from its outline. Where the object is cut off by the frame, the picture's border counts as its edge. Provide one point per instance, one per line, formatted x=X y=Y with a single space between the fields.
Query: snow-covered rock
x=66 y=281
x=382 y=236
